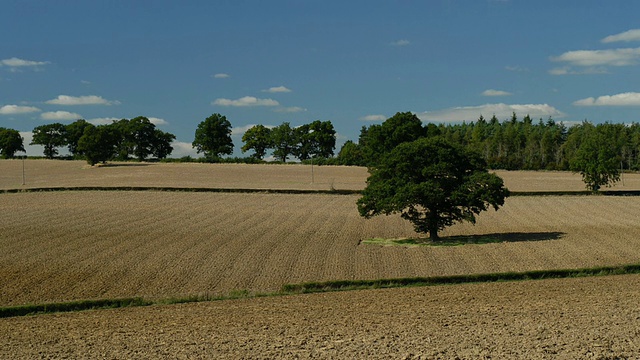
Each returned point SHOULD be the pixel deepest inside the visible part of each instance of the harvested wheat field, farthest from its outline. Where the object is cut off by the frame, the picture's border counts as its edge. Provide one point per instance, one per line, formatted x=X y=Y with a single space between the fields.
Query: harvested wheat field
x=60 y=246
x=71 y=245
x=582 y=318
x=58 y=173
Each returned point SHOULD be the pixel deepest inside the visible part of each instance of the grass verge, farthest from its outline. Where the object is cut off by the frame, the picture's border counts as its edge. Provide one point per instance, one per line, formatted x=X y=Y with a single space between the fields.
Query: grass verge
x=325 y=286
x=332 y=190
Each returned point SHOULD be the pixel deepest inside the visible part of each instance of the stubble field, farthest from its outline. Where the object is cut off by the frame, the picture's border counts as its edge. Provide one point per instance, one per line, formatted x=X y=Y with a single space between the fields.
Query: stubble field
x=60 y=246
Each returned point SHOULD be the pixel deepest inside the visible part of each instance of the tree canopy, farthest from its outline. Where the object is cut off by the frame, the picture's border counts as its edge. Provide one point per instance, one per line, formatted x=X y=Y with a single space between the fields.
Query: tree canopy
x=258 y=139
x=10 y=142
x=51 y=137
x=213 y=137
x=433 y=184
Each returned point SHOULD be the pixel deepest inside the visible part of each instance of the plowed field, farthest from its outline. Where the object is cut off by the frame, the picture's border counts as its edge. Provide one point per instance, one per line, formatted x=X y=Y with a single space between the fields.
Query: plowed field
x=59 y=246
x=56 y=173
x=77 y=245
x=585 y=318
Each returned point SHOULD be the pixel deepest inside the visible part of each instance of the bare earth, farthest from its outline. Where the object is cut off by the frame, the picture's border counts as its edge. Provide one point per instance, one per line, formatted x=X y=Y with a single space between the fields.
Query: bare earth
x=80 y=245
x=54 y=173
x=587 y=318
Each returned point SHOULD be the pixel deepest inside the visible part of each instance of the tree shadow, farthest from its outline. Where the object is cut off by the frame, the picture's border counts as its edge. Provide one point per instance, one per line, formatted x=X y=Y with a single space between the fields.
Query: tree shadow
x=458 y=240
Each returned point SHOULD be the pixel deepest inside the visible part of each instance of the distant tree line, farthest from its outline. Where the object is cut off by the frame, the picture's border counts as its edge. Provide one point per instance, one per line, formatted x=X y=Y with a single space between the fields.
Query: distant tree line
x=598 y=152
x=512 y=144
x=120 y=140
x=308 y=141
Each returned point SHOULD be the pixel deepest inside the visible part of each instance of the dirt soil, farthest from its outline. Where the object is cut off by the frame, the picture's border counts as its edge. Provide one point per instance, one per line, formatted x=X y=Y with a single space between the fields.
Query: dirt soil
x=583 y=318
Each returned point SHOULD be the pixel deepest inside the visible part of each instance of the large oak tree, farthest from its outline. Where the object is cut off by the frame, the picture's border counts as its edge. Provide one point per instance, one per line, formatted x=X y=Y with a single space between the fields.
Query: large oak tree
x=433 y=184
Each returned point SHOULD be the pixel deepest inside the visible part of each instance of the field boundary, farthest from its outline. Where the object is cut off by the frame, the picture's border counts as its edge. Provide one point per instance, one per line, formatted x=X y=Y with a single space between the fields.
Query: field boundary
x=325 y=286
x=290 y=191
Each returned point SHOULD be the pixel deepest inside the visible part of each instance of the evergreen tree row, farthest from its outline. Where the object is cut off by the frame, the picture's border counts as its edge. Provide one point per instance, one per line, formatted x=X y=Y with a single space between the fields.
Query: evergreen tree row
x=512 y=144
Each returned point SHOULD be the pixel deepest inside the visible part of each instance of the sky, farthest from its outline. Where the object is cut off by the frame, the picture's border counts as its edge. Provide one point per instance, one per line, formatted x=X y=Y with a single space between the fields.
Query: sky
x=355 y=63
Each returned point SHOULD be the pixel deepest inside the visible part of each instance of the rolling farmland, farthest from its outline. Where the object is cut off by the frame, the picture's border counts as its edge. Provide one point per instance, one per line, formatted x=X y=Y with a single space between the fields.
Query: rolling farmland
x=70 y=245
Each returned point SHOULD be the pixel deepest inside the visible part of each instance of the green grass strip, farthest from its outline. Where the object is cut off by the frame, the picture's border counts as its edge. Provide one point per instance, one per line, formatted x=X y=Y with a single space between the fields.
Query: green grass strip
x=291 y=191
x=23 y=310
x=341 y=285
x=325 y=286
x=181 y=189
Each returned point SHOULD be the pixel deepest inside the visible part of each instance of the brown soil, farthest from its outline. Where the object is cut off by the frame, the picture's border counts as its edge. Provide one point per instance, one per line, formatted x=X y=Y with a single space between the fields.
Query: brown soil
x=584 y=318
x=60 y=246
x=58 y=173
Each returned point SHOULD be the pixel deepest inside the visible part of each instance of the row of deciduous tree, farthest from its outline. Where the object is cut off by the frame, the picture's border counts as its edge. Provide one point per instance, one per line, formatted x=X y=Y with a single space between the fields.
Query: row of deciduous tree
x=121 y=140
x=317 y=139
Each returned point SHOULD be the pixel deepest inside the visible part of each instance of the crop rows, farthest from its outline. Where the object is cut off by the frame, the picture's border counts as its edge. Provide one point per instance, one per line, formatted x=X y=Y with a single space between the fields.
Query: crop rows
x=80 y=245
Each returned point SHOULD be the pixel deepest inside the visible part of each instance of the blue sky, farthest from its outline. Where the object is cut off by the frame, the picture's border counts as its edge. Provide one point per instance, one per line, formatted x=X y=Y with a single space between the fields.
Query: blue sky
x=352 y=62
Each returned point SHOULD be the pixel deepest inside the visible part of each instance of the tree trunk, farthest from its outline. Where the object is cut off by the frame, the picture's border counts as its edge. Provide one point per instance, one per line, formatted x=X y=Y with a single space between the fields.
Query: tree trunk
x=433 y=233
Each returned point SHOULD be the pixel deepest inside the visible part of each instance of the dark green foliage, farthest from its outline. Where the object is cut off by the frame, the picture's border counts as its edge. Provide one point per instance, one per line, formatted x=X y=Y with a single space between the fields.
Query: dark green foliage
x=258 y=139
x=317 y=139
x=380 y=139
x=98 y=143
x=213 y=137
x=283 y=141
x=74 y=132
x=432 y=183
x=10 y=142
x=51 y=136
x=597 y=158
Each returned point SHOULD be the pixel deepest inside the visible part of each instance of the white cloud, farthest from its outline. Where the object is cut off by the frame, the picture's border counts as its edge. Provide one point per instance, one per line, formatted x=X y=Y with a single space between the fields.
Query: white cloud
x=181 y=149
x=240 y=130
x=60 y=116
x=623 y=99
x=17 y=109
x=376 y=117
x=103 y=121
x=291 y=109
x=277 y=89
x=401 y=42
x=491 y=92
x=221 y=76
x=610 y=57
x=501 y=111
x=246 y=101
x=568 y=70
x=15 y=62
x=158 y=121
x=81 y=100
x=630 y=35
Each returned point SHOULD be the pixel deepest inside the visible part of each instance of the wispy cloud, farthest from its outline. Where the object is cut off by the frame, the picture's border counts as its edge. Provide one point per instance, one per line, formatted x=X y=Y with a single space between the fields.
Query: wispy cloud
x=291 y=109
x=240 y=130
x=568 y=70
x=376 y=117
x=401 y=42
x=517 y=68
x=277 y=89
x=17 y=109
x=501 y=111
x=630 y=35
x=15 y=64
x=221 y=76
x=60 y=116
x=623 y=99
x=492 y=92
x=102 y=120
x=245 y=102
x=81 y=100
x=608 y=57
